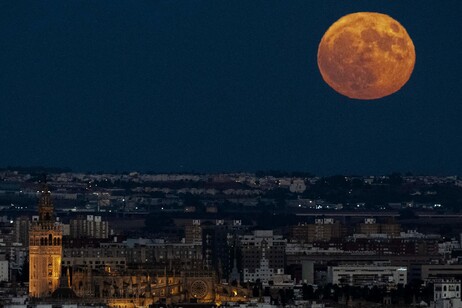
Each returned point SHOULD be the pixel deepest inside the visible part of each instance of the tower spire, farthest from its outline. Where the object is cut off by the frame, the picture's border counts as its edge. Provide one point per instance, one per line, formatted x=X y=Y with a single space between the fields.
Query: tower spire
x=46 y=211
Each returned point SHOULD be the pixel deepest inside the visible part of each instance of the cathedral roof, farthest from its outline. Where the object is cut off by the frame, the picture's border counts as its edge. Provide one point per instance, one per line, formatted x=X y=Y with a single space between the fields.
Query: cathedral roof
x=64 y=292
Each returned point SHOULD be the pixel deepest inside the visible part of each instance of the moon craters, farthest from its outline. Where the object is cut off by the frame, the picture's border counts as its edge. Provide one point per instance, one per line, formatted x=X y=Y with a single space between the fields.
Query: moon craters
x=394 y=27
x=366 y=56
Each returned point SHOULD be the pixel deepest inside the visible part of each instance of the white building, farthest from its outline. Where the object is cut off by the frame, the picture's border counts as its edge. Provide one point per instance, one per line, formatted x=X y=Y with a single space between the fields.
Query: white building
x=447 y=294
x=364 y=275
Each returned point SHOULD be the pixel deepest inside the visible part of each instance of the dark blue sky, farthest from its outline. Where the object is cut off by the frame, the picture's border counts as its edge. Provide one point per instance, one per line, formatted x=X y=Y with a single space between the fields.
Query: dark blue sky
x=219 y=86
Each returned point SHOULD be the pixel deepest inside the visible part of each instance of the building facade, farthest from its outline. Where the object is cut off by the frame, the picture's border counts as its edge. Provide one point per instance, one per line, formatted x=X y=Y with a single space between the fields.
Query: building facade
x=446 y=294
x=322 y=230
x=366 y=275
x=90 y=227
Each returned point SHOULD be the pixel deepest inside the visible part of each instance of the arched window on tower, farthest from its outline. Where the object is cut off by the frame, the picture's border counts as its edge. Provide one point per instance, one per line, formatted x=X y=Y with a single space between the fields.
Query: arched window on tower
x=50 y=240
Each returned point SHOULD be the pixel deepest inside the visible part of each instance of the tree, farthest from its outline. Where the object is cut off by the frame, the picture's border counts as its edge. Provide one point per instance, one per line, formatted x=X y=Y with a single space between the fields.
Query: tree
x=307 y=292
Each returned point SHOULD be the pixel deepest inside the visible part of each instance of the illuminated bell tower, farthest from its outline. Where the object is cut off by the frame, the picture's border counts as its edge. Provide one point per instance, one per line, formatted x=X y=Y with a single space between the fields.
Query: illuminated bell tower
x=45 y=249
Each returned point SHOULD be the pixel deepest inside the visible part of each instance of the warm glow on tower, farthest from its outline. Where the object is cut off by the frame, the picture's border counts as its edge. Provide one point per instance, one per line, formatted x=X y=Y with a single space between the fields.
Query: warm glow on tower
x=45 y=249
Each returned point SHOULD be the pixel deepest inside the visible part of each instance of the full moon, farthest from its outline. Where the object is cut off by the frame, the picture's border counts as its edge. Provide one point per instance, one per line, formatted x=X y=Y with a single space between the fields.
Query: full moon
x=366 y=56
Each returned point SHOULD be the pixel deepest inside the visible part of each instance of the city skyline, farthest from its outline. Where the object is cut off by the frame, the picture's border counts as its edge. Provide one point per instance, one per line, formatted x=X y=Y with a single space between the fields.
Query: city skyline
x=218 y=86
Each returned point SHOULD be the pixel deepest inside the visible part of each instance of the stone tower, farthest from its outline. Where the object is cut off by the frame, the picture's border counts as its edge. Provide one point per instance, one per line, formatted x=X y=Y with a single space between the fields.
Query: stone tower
x=45 y=249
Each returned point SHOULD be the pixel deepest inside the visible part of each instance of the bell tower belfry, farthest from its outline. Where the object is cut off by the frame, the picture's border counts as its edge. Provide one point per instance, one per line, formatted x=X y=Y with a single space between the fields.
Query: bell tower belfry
x=45 y=249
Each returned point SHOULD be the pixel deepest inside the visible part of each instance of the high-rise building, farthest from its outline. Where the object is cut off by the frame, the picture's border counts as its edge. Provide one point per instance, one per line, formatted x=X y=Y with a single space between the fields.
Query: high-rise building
x=323 y=230
x=89 y=227
x=263 y=254
x=370 y=226
x=45 y=249
x=219 y=245
x=193 y=232
x=21 y=230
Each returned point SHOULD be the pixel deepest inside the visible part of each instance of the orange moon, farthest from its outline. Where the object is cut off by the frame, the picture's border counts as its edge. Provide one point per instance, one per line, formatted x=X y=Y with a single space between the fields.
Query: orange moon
x=366 y=56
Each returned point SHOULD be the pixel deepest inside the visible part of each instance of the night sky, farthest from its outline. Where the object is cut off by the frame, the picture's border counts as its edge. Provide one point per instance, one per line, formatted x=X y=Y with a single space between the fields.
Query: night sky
x=214 y=85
